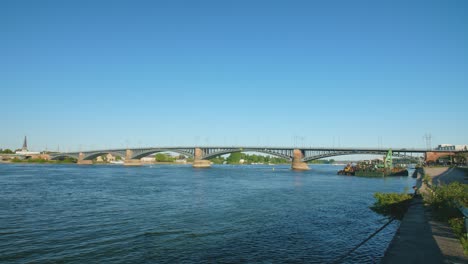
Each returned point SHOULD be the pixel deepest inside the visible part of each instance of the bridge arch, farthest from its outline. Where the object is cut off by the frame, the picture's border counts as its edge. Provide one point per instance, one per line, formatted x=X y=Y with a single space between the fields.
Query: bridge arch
x=280 y=154
x=65 y=155
x=94 y=155
x=88 y=155
x=346 y=153
x=149 y=152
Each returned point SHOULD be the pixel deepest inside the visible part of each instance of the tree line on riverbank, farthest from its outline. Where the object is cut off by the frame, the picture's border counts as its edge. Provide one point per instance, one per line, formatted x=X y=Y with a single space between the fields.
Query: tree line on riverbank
x=65 y=160
x=6 y=151
x=244 y=158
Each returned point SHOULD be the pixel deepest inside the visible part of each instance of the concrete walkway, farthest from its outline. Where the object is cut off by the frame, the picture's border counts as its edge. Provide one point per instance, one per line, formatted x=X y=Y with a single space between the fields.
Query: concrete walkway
x=446 y=175
x=421 y=239
x=413 y=242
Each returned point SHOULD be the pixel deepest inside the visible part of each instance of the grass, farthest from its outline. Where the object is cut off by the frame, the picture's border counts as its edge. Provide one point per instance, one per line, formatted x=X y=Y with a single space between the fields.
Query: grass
x=427 y=179
x=391 y=204
x=445 y=201
x=458 y=226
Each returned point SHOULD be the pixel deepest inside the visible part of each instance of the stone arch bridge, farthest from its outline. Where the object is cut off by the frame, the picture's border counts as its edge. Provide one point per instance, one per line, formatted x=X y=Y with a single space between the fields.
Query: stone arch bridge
x=201 y=155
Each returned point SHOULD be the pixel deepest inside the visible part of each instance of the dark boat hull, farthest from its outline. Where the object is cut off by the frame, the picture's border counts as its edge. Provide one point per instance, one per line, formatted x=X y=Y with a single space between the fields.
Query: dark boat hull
x=381 y=173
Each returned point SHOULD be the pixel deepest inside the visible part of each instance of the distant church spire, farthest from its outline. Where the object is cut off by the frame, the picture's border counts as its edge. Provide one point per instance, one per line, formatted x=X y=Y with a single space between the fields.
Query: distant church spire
x=25 y=145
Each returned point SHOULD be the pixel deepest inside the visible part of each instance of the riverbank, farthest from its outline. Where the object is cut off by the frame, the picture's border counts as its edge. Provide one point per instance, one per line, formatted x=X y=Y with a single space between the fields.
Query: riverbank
x=36 y=162
x=421 y=239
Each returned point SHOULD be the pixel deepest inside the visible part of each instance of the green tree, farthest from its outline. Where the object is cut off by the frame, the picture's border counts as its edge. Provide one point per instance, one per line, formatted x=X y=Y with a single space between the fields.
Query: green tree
x=161 y=157
x=6 y=151
x=234 y=158
x=217 y=160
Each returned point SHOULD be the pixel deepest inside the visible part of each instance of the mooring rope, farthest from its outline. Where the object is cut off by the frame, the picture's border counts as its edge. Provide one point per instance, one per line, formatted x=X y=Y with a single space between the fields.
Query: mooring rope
x=362 y=243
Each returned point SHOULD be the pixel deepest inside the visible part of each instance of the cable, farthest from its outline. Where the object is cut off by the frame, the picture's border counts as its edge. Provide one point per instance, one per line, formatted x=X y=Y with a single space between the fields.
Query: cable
x=362 y=243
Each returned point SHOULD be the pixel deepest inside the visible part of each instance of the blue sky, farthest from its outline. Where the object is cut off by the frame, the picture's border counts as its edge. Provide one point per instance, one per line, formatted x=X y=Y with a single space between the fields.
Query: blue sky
x=104 y=74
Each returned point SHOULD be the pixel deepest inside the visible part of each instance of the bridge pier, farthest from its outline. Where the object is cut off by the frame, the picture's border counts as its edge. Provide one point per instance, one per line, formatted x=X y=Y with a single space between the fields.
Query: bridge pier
x=82 y=161
x=198 y=162
x=129 y=161
x=297 y=163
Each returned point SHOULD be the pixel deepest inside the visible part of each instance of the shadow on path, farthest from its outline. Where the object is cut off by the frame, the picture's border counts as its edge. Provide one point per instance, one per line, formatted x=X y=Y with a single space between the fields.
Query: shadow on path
x=413 y=242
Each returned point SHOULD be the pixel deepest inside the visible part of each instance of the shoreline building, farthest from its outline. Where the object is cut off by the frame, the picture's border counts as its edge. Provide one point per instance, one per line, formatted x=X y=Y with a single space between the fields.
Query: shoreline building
x=24 y=150
x=450 y=147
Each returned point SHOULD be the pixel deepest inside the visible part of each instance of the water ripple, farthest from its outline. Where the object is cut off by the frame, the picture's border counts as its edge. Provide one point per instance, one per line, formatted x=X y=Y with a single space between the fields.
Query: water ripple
x=167 y=214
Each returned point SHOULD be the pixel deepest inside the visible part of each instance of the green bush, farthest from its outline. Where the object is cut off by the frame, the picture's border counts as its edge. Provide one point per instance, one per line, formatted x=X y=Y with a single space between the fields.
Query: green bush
x=217 y=160
x=391 y=204
x=458 y=227
x=427 y=179
x=446 y=199
x=162 y=157
x=6 y=151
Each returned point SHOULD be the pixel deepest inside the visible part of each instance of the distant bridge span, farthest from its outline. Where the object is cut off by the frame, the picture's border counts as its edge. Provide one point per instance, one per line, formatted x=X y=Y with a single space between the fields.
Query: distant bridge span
x=297 y=155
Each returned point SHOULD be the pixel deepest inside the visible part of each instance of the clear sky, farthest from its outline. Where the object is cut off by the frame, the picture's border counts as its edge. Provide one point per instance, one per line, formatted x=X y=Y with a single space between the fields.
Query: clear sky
x=107 y=74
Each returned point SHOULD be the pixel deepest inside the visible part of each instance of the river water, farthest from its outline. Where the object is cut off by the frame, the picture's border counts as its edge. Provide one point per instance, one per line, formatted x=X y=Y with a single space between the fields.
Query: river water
x=177 y=214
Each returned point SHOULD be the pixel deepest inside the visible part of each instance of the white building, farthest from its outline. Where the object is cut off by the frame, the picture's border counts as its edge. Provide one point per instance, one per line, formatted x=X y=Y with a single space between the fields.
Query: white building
x=149 y=159
x=24 y=150
x=450 y=147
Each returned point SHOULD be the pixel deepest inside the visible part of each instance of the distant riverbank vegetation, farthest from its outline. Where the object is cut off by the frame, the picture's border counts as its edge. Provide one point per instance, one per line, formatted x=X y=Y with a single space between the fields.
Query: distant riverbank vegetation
x=162 y=157
x=243 y=158
x=62 y=161
x=6 y=151
x=236 y=158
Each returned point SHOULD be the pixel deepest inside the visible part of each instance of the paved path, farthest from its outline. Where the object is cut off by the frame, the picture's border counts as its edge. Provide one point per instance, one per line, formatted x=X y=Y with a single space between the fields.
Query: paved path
x=413 y=242
x=446 y=175
x=422 y=240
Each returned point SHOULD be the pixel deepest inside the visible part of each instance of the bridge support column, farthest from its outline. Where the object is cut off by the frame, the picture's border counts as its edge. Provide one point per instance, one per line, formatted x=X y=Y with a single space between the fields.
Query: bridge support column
x=297 y=163
x=198 y=162
x=129 y=161
x=82 y=161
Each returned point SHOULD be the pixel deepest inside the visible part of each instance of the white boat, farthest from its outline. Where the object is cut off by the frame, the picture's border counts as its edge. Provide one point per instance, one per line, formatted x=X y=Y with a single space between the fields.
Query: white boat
x=116 y=162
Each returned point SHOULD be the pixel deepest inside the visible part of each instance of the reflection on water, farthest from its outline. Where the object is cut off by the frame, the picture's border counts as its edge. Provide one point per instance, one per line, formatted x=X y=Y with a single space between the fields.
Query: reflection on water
x=168 y=214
